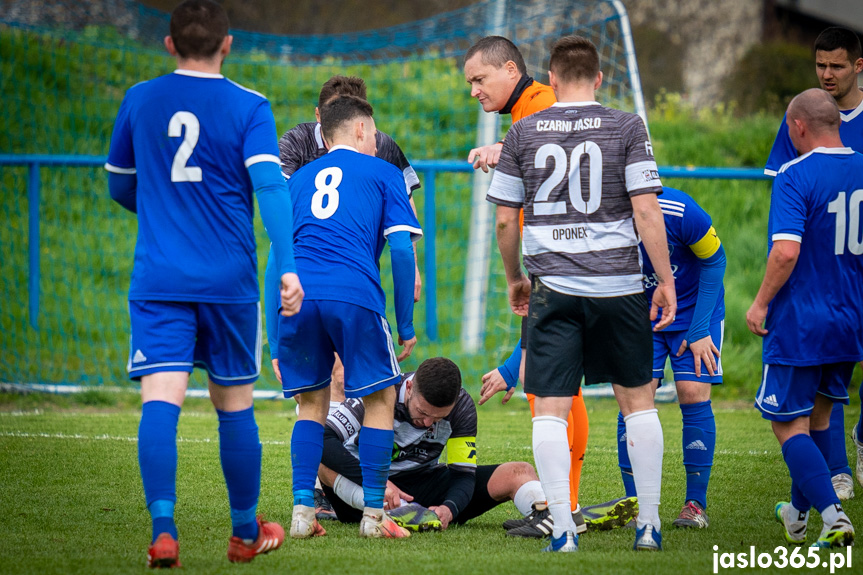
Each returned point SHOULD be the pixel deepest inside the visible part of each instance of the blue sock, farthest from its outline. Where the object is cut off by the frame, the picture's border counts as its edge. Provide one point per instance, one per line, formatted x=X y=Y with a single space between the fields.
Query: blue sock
x=157 y=458
x=376 y=451
x=623 y=458
x=307 y=447
x=809 y=470
x=838 y=459
x=699 y=444
x=240 y=452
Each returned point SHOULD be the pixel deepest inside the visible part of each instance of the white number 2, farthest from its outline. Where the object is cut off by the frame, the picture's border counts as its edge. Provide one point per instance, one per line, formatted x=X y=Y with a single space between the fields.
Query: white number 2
x=851 y=223
x=542 y=206
x=328 y=189
x=180 y=172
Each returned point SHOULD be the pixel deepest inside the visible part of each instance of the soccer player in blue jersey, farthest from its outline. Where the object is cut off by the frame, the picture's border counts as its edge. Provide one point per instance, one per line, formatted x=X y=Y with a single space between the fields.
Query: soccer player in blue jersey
x=188 y=150
x=838 y=64
x=347 y=205
x=693 y=341
x=812 y=300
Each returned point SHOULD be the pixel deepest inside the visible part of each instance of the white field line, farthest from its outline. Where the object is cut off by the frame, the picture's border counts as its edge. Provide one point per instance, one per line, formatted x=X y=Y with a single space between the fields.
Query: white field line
x=81 y=414
x=106 y=437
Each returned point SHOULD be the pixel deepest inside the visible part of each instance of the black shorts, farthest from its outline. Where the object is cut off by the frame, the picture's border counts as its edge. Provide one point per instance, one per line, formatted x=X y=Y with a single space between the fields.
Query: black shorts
x=428 y=488
x=603 y=340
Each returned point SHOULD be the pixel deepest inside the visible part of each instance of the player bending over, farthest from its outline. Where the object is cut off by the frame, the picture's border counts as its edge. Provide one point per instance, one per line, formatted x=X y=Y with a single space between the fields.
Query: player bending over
x=347 y=204
x=813 y=286
x=588 y=313
x=188 y=150
x=693 y=341
x=432 y=413
x=838 y=65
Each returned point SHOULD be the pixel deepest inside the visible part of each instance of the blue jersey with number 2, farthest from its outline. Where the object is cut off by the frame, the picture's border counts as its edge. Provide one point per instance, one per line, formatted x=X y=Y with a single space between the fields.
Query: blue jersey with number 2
x=816 y=318
x=345 y=205
x=190 y=138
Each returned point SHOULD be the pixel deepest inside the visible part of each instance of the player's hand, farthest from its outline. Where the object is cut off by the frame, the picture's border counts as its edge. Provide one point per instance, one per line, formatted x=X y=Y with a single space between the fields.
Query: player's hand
x=485 y=157
x=418 y=285
x=664 y=297
x=703 y=350
x=292 y=294
x=393 y=496
x=408 y=348
x=755 y=319
x=276 y=370
x=445 y=515
x=493 y=383
x=519 y=295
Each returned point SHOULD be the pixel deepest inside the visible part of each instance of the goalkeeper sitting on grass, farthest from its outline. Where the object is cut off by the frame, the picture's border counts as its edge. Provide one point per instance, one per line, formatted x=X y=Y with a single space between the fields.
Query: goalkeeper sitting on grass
x=432 y=412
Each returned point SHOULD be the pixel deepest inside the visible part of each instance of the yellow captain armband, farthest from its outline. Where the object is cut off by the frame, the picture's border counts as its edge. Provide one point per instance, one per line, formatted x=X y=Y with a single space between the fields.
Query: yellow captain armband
x=461 y=451
x=706 y=246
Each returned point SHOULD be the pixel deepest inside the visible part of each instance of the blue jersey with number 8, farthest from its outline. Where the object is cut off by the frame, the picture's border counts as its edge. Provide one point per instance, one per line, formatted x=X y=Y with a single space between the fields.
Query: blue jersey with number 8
x=345 y=205
x=816 y=318
x=190 y=138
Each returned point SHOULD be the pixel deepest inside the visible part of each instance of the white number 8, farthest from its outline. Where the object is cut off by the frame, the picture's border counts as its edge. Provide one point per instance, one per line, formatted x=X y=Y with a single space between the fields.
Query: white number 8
x=328 y=189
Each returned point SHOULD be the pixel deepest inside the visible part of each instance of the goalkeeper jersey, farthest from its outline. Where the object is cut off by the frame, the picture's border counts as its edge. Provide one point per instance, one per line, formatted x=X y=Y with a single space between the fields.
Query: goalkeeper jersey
x=414 y=448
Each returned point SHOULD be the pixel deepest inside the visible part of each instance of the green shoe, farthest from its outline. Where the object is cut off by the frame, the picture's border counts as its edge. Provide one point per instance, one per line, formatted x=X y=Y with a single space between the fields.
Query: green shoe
x=795 y=528
x=415 y=517
x=840 y=534
x=610 y=515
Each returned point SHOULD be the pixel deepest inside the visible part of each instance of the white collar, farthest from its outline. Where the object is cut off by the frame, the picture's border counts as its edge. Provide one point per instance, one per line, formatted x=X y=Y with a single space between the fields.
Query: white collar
x=196 y=74
x=343 y=147
x=567 y=104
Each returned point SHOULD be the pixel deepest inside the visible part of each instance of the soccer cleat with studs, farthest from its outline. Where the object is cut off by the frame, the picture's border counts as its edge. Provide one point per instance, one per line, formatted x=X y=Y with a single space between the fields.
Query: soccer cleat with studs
x=613 y=514
x=304 y=524
x=859 y=446
x=566 y=543
x=839 y=534
x=648 y=538
x=270 y=537
x=164 y=553
x=381 y=527
x=692 y=515
x=843 y=485
x=795 y=528
x=323 y=508
x=415 y=517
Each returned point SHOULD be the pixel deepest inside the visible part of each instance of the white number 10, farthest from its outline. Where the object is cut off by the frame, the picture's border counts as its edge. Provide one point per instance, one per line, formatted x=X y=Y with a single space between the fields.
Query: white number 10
x=851 y=223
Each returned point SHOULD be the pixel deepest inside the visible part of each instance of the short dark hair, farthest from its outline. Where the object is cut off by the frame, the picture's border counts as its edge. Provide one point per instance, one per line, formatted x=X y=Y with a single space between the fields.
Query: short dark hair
x=341 y=110
x=198 y=28
x=835 y=37
x=497 y=51
x=438 y=381
x=574 y=58
x=341 y=86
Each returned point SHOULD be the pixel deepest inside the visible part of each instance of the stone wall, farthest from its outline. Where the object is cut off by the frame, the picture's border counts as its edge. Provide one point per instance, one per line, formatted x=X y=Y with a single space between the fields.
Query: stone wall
x=712 y=34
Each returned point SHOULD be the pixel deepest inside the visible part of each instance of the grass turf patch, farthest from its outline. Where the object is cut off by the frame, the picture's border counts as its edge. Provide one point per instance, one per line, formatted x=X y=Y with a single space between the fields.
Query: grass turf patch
x=71 y=497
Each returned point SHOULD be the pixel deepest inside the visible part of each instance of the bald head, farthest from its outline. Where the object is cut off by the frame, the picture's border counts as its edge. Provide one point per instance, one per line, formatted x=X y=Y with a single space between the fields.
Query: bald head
x=817 y=110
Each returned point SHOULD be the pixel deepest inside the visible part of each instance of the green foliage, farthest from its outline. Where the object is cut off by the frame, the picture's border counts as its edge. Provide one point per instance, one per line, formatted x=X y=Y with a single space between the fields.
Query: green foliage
x=71 y=498
x=61 y=97
x=769 y=75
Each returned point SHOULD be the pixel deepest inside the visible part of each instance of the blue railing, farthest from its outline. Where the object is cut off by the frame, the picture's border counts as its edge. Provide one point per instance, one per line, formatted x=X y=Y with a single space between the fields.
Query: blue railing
x=428 y=168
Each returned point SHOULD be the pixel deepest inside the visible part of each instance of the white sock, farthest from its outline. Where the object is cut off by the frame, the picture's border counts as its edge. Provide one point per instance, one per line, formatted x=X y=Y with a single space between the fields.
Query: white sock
x=644 y=443
x=551 y=455
x=349 y=492
x=334 y=405
x=527 y=496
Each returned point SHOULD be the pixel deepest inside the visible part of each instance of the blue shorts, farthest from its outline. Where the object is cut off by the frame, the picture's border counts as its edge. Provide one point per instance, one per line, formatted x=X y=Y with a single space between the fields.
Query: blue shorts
x=361 y=337
x=666 y=344
x=223 y=338
x=788 y=392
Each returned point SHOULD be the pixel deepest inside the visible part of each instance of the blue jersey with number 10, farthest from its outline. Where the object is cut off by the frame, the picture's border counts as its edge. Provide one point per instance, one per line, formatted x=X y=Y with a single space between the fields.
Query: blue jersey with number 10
x=345 y=205
x=816 y=318
x=190 y=138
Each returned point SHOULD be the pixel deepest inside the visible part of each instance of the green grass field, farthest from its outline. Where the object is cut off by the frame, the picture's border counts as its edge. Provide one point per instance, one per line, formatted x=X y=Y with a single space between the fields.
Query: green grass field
x=71 y=497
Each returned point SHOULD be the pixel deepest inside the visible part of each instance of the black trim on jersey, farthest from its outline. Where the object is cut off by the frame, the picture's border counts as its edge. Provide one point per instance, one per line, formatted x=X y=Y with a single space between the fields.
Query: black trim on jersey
x=523 y=84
